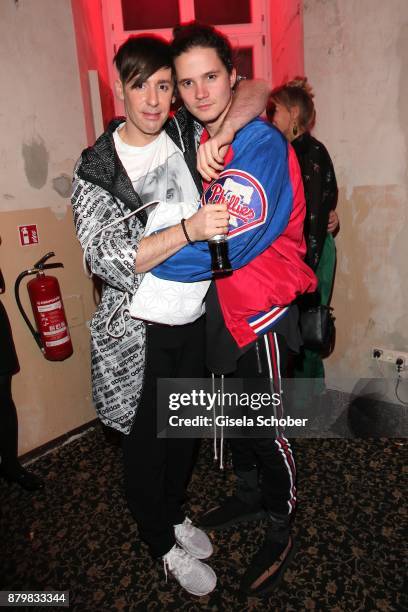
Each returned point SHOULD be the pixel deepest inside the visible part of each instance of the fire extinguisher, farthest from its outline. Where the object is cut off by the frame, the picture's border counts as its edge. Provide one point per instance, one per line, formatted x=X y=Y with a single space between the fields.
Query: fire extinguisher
x=45 y=295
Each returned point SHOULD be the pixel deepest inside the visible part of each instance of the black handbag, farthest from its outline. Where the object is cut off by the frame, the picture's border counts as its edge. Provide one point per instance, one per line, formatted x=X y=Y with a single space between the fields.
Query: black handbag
x=317 y=327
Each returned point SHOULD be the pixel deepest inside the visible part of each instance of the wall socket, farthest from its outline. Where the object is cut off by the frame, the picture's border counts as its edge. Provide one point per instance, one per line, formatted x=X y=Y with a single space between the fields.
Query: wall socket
x=387 y=356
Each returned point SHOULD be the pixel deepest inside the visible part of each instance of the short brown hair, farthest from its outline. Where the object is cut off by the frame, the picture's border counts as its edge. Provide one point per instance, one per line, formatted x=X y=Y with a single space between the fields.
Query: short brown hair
x=140 y=57
x=186 y=36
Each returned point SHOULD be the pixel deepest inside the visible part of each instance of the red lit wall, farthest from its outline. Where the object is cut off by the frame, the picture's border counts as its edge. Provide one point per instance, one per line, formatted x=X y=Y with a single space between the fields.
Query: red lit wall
x=286 y=27
x=287 y=54
x=90 y=41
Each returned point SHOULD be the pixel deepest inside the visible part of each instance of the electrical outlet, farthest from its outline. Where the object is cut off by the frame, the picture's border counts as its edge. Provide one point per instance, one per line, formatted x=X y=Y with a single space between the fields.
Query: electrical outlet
x=388 y=356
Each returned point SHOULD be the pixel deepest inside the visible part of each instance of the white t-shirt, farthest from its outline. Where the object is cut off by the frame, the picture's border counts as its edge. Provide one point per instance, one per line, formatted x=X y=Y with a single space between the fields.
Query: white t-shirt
x=157 y=170
x=159 y=173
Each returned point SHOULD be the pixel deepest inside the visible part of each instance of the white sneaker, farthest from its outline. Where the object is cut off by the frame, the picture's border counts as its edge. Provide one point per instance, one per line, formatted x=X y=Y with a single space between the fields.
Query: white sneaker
x=193 y=540
x=196 y=577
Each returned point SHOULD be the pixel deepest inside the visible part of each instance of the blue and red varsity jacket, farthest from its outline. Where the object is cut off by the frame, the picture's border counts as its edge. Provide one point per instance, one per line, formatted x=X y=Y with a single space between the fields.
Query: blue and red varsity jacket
x=262 y=185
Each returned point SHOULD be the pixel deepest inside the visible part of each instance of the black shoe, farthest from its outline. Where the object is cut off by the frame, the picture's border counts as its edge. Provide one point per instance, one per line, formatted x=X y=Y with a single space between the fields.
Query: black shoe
x=231 y=512
x=27 y=480
x=268 y=565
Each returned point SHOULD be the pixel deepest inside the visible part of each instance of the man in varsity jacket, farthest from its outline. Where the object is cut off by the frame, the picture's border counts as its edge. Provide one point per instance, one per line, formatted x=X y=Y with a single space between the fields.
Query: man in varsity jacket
x=251 y=320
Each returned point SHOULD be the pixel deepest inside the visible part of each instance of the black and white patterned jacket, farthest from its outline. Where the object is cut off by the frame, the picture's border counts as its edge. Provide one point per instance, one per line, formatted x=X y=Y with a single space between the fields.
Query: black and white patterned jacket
x=103 y=192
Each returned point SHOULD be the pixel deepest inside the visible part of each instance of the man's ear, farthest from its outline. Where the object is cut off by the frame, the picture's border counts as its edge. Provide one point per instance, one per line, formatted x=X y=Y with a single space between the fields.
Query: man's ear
x=233 y=78
x=119 y=89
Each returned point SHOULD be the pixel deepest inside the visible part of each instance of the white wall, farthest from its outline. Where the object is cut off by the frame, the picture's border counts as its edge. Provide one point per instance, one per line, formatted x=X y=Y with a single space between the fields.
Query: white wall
x=42 y=134
x=41 y=108
x=356 y=58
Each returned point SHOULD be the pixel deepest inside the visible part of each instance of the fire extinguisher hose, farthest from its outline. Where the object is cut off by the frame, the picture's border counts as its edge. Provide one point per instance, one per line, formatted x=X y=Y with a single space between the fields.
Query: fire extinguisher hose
x=30 y=326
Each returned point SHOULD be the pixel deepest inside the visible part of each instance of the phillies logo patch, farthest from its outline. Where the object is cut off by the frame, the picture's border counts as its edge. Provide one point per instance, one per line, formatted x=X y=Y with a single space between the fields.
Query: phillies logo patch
x=244 y=196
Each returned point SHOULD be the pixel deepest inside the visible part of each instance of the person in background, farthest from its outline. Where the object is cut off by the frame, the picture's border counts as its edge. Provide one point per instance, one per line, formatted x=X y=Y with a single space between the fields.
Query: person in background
x=291 y=109
x=10 y=467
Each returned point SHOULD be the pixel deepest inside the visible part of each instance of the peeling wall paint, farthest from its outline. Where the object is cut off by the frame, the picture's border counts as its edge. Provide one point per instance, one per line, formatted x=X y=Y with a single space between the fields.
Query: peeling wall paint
x=356 y=60
x=62 y=184
x=41 y=120
x=36 y=158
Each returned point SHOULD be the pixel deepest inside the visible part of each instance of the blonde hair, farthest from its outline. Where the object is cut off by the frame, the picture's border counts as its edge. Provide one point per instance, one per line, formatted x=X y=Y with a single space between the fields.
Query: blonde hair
x=296 y=92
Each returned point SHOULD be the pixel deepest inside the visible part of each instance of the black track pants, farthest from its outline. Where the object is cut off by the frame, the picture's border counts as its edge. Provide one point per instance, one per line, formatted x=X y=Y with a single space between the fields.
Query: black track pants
x=157 y=470
x=272 y=457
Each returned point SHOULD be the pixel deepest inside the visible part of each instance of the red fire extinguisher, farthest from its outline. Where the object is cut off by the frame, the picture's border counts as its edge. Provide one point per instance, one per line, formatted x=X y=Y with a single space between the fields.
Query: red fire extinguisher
x=45 y=295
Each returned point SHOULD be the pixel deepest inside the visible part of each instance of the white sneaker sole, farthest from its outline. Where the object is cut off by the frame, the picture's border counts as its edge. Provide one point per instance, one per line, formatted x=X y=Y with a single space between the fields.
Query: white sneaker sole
x=198 y=594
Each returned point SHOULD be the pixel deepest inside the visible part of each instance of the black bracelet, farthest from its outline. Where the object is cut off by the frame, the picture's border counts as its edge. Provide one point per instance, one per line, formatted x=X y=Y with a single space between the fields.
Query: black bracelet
x=183 y=225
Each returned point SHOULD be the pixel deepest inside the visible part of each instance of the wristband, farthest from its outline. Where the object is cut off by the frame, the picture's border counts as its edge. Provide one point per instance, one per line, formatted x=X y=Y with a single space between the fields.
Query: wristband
x=183 y=226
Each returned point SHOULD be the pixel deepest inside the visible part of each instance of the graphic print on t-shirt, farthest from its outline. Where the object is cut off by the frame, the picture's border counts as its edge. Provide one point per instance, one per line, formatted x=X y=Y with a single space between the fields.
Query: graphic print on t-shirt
x=157 y=170
x=170 y=182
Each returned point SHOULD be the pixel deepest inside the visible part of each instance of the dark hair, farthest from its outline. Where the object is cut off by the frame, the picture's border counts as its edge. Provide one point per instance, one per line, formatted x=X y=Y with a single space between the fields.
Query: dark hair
x=294 y=93
x=195 y=34
x=141 y=56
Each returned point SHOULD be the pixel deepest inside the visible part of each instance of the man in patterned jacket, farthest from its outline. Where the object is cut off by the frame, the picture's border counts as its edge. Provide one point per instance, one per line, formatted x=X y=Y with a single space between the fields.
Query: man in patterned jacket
x=112 y=179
